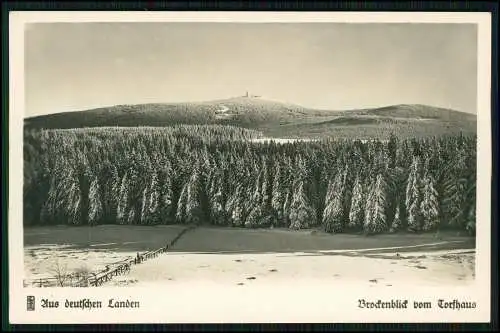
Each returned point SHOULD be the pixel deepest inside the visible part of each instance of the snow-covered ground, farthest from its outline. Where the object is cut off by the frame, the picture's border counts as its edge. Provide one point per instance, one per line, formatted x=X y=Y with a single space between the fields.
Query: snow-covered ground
x=242 y=257
x=419 y=269
x=45 y=261
x=69 y=249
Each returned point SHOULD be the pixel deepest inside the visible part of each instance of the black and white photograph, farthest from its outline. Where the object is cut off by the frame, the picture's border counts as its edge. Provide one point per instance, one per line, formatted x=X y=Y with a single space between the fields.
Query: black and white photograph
x=167 y=155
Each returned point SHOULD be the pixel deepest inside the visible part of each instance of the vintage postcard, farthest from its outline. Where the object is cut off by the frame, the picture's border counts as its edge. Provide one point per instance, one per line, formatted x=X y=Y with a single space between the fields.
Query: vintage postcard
x=221 y=167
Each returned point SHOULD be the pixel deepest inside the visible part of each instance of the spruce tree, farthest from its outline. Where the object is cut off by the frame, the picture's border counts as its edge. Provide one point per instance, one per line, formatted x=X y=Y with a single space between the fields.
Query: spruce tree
x=287 y=204
x=429 y=206
x=135 y=189
x=333 y=213
x=189 y=210
x=48 y=209
x=113 y=194
x=122 y=208
x=180 y=214
x=301 y=213
x=347 y=186
x=154 y=199
x=376 y=220
x=144 y=217
x=413 y=197
x=217 y=200
x=278 y=195
x=234 y=207
x=453 y=198
x=259 y=205
x=95 y=202
x=356 y=213
x=166 y=210
x=397 y=198
x=266 y=195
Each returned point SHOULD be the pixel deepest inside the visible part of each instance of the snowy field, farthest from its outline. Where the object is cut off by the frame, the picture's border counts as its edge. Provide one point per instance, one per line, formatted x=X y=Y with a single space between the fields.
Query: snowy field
x=233 y=256
x=69 y=249
x=419 y=269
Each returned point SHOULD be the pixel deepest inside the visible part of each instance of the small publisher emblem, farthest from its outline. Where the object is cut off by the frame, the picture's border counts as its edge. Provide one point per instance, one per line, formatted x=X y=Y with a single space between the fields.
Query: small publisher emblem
x=30 y=303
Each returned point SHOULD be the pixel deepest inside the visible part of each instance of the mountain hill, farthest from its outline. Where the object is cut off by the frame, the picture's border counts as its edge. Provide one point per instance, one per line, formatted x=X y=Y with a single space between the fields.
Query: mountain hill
x=272 y=118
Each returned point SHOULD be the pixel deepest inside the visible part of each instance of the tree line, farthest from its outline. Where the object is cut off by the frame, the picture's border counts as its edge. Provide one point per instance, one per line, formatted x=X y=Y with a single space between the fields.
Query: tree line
x=216 y=175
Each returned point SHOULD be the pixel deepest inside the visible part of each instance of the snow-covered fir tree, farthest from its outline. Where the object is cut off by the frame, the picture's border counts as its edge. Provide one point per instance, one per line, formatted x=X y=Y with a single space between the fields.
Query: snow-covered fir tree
x=356 y=212
x=95 y=203
x=414 y=197
x=234 y=207
x=254 y=207
x=189 y=208
x=333 y=214
x=154 y=199
x=266 y=193
x=166 y=210
x=278 y=195
x=287 y=207
x=144 y=216
x=301 y=213
x=429 y=206
x=217 y=199
x=121 y=210
x=112 y=194
x=376 y=220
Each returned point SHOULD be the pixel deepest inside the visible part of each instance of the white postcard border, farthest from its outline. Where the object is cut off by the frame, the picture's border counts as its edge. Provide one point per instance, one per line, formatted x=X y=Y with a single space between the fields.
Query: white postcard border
x=314 y=301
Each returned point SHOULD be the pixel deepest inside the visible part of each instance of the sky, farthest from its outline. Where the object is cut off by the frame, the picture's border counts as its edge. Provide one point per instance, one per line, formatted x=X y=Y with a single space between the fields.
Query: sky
x=335 y=66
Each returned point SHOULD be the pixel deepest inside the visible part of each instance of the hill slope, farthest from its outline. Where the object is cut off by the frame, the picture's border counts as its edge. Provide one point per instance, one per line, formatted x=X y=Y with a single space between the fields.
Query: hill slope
x=272 y=118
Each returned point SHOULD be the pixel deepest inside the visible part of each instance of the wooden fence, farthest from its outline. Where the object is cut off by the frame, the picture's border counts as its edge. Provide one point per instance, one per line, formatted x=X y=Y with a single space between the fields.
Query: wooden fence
x=103 y=276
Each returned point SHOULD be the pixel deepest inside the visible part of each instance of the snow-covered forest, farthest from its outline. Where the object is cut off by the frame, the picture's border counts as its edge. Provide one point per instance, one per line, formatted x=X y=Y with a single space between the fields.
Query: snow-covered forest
x=217 y=175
